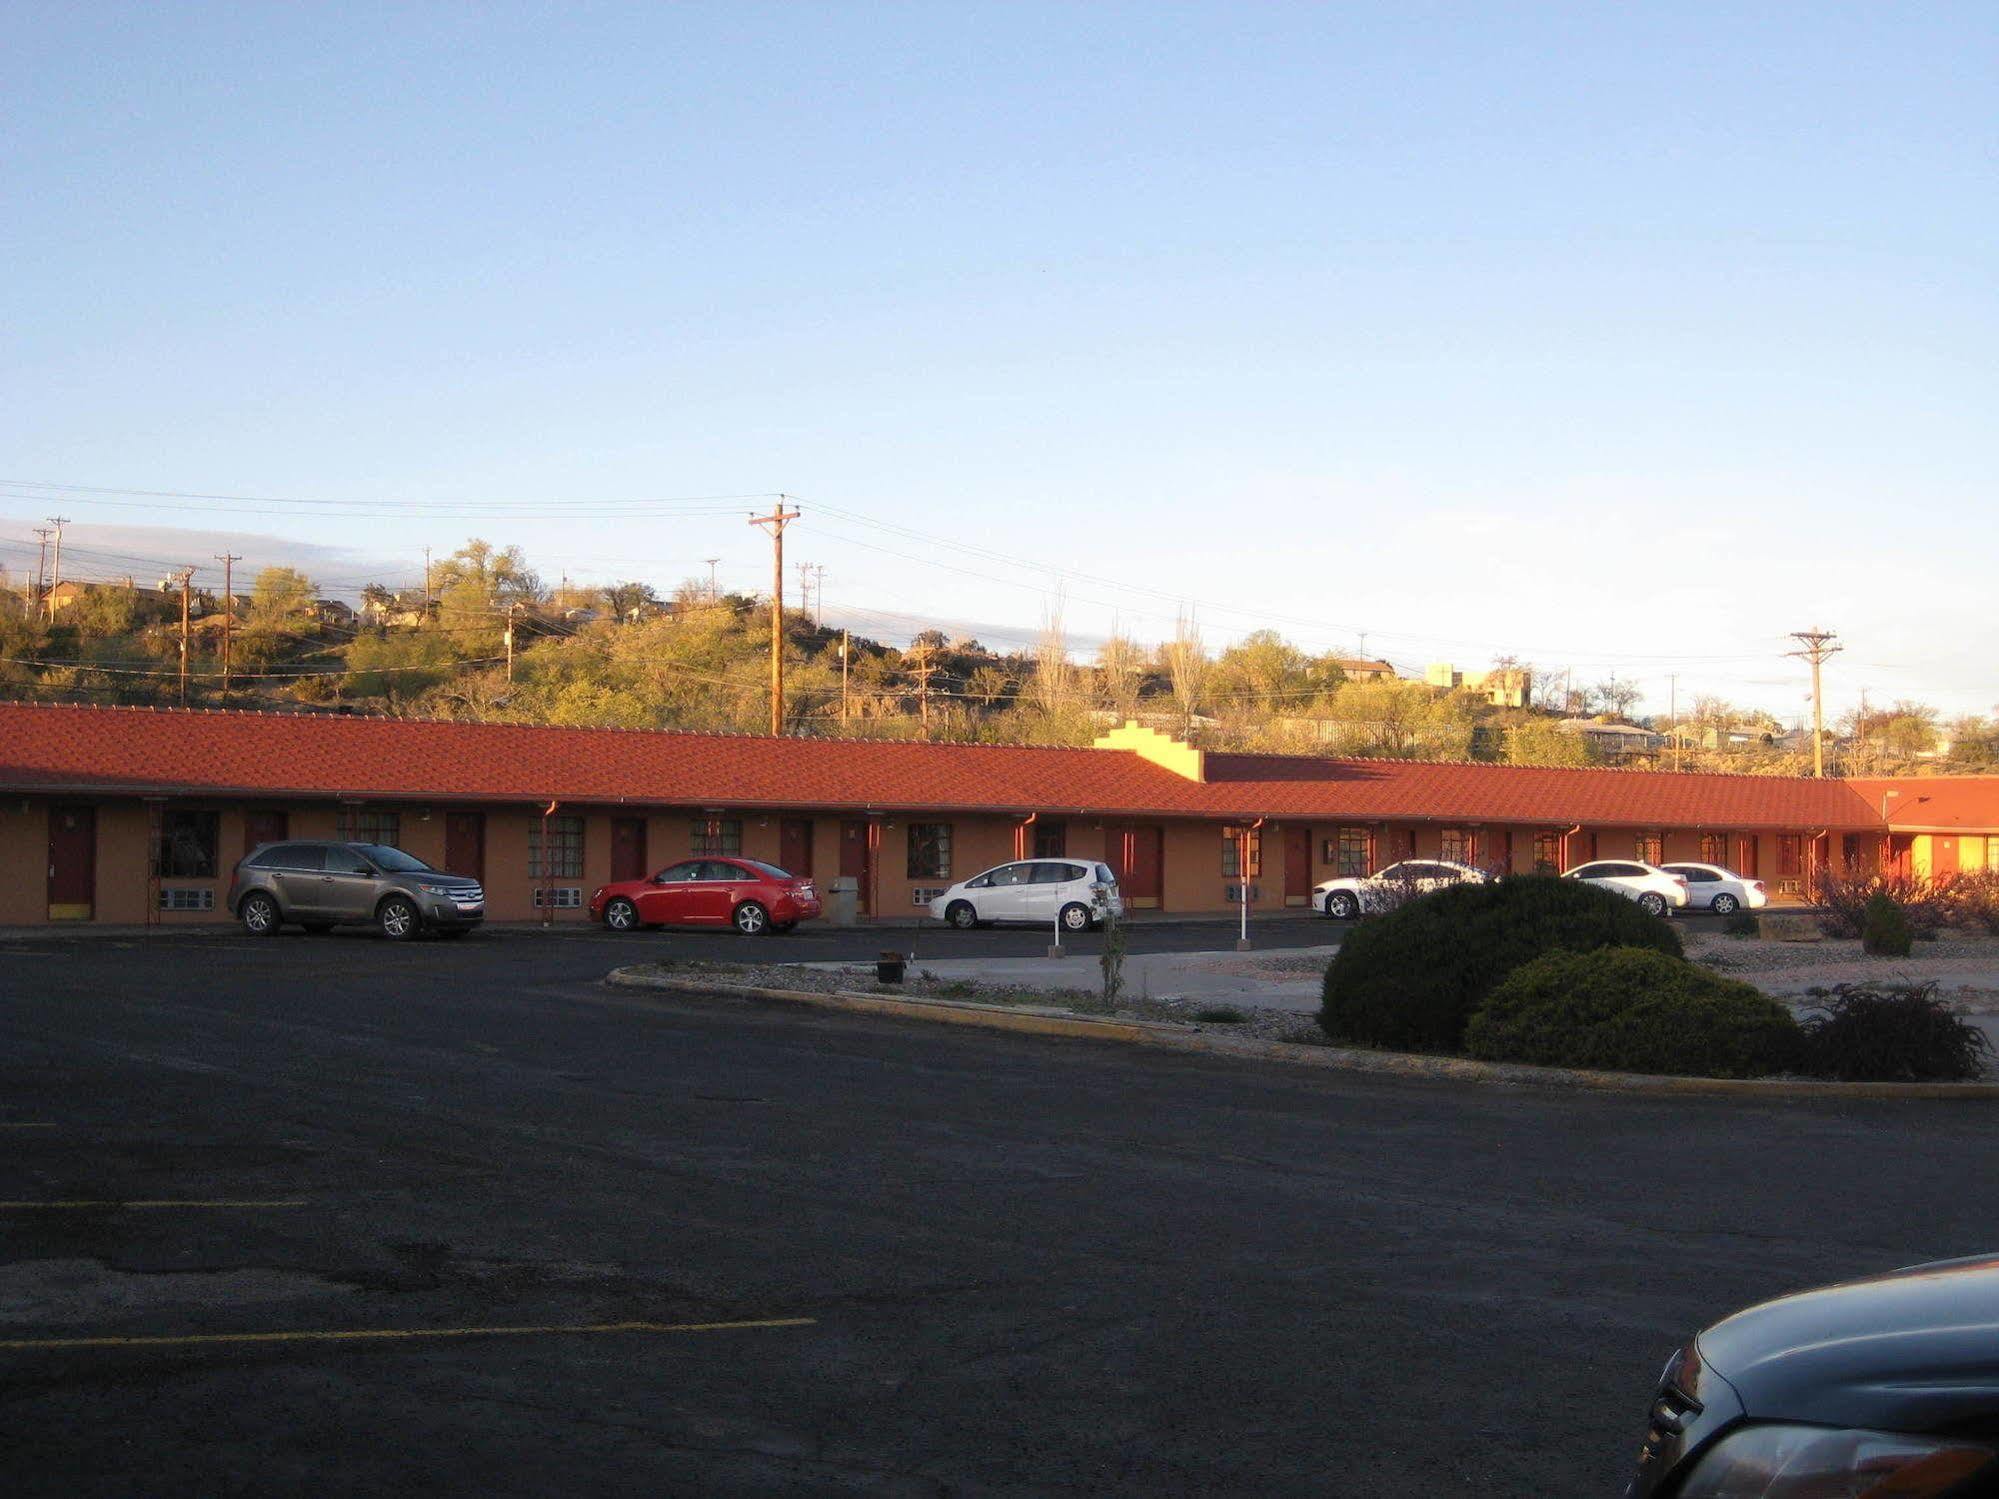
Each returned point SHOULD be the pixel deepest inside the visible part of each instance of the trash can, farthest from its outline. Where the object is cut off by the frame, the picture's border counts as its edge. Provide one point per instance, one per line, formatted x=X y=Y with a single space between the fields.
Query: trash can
x=843 y=901
x=888 y=968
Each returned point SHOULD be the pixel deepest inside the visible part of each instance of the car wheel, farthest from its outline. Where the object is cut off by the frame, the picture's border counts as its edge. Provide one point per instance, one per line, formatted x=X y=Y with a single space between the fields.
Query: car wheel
x=1075 y=918
x=317 y=928
x=1341 y=905
x=1725 y=905
x=621 y=916
x=752 y=920
x=398 y=919
x=1652 y=903
x=260 y=915
x=962 y=915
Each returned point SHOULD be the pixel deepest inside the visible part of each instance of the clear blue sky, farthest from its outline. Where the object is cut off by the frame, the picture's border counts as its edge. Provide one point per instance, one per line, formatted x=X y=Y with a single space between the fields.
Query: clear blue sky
x=1608 y=336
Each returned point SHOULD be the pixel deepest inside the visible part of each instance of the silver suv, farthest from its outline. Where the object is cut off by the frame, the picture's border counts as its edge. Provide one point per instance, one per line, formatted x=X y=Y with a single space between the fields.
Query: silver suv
x=323 y=885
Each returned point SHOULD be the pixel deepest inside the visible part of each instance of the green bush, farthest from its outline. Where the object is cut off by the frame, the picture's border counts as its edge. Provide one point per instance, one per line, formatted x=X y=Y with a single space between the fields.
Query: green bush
x=1885 y=930
x=1633 y=1009
x=1891 y=1033
x=1411 y=979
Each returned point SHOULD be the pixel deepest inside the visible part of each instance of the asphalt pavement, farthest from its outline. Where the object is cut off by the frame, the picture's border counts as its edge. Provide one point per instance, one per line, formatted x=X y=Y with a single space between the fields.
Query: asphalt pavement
x=576 y=1240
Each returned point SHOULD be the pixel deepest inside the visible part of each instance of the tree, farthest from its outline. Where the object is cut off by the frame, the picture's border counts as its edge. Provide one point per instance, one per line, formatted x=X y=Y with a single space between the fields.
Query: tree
x=1054 y=675
x=1188 y=669
x=1262 y=675
x=630 y=600
x=282 y=598
x=1120 y=674
x=1617 y=698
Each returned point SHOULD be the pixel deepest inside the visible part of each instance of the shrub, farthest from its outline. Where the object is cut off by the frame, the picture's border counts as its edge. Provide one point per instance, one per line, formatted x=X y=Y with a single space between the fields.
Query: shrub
x=1972 y=899
x=1633 y=1009
x=1890 y=1033
x=1884 y=930
x=1219 y=1015
x=1741 y=924
x=1844 y=898
x=1410 y=980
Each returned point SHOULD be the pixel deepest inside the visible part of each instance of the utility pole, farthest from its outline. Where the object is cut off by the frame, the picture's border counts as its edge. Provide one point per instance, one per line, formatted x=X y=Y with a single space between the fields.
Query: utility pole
x=844 y=653
x=228 y=561
x=509 y=637
x=819 y=613
x=805 y=591
x=55 y=579
x=923 y=691
x=42 y=533
x=426 y=578
x=1673 y=713
x=714 y=589
x=774 y=524
x=1816 y=646
x=186 y=577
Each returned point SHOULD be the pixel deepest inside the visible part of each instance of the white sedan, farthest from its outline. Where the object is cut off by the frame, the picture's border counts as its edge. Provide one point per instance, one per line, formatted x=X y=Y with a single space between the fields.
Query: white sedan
x=1347 y=897
x=1719 y=890
x=1655 y=890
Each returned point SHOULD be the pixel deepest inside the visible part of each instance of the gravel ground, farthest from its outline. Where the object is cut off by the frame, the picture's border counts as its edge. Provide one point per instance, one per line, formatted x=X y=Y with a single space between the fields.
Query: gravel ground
x=1965 y=968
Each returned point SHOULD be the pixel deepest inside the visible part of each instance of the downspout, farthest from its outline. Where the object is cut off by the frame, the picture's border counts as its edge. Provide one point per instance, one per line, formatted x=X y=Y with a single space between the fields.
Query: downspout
x=1566 y=835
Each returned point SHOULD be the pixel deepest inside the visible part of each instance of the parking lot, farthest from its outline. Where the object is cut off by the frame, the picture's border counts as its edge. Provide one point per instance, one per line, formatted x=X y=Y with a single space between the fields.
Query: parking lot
x=339 y=1215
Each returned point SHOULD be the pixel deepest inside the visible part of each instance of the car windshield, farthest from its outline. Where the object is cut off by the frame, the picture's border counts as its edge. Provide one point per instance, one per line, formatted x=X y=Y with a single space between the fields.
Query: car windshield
x=394 y=860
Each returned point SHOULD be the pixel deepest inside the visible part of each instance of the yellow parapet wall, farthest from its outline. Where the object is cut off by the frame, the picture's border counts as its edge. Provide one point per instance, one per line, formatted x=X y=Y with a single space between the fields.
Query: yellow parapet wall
x=1162 y=750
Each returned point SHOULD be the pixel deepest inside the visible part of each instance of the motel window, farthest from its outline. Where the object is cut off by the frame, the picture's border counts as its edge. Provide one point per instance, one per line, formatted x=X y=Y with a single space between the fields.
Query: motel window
x=1454 y=844
x=369 y=825
x=930 y=850
x=1649 y=848
x=1790 y=855
x=1232 y=848
x=1349 y=853
x=1992 y=851
x=188 y=844
x=716 y=835
x=1051 y=838
x=1547 y=853
x=1714 y=849
x=564 y=834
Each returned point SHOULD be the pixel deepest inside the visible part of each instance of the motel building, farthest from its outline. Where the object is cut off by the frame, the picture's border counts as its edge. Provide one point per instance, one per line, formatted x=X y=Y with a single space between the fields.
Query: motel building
x=137 y=815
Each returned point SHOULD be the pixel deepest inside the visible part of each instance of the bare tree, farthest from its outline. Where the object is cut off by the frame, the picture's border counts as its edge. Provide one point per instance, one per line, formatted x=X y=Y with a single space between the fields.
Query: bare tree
x=1054 y=674
x=1188 y=666
x=1120 y=673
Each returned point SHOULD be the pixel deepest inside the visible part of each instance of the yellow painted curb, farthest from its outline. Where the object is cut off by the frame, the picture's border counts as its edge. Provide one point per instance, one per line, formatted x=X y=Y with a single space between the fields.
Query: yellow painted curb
x=1338 y=1058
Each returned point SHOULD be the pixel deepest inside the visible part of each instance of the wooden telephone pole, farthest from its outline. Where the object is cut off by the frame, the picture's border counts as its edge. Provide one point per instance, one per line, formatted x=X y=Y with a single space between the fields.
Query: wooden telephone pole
x=228 y=561
x=1816 y=645
x=55 y=578
x=185 y=577
x=774 y=524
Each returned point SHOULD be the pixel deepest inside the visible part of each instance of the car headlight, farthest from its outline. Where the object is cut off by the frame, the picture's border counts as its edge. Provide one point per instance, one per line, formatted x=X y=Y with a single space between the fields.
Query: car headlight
x=434 y=889
x=1828 y=1462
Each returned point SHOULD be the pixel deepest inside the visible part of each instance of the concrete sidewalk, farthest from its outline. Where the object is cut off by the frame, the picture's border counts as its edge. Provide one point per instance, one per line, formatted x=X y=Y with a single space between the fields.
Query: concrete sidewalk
x=1283 y=979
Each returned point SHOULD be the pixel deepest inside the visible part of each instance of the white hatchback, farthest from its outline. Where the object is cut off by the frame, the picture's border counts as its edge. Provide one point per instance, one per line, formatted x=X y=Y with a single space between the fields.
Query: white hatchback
x=1075 y=893
x=1654 y=889
x=1719 y=890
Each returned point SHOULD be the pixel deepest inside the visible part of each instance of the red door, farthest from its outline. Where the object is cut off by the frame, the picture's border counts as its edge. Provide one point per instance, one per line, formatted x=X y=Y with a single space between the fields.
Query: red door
x=465 y=844
x=857 y=858
x=72 y=863
x=1297 y=866
x=628 y=848
x=1745 y=863
x=794 y=845
x=264 y=827
x=1137 y=857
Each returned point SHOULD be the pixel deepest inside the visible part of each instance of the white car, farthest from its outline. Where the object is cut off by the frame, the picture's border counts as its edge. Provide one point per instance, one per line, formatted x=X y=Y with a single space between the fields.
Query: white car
x=1719 y=890
x=1077 y=893
x=1655 y=890
x=1347 y=897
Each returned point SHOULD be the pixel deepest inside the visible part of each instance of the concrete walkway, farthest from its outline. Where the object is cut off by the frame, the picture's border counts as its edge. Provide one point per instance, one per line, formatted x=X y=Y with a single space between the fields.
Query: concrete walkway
x=1287 y=979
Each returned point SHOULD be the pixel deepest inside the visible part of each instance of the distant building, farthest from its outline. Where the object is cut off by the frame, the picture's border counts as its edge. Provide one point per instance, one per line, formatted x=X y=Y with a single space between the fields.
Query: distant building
x=1613 y=741
x=1359 y=669
x=1503 y=686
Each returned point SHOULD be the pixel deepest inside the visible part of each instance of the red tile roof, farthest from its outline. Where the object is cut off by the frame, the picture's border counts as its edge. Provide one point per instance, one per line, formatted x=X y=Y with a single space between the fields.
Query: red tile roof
x=1943 y=804
x=137 y=750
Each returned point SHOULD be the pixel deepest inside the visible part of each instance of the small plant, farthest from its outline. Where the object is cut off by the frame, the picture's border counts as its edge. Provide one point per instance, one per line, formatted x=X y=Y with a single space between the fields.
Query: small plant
x=1632 y=1009
x=1891 y=1033
x=1111 y=960
x=1884 y=931
x=1219 y=1015
x=956 y=989
x=1843 y=902
x=1741 y=924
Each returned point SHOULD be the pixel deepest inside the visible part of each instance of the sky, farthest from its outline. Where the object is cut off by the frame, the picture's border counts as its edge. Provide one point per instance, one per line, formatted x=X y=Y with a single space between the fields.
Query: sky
x=1619 y=339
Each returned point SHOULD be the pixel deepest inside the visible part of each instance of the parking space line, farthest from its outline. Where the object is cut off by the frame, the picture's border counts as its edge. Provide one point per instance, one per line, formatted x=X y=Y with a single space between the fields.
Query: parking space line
x=81 y=1203
x=387 y=1334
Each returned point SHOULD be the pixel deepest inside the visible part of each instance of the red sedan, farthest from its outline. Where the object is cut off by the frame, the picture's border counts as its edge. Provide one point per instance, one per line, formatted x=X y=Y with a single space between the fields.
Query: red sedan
x=747 y=894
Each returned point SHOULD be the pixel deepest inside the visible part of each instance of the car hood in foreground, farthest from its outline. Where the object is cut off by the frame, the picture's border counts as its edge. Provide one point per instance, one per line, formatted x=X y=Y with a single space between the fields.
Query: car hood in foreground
x=1914 y=1350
